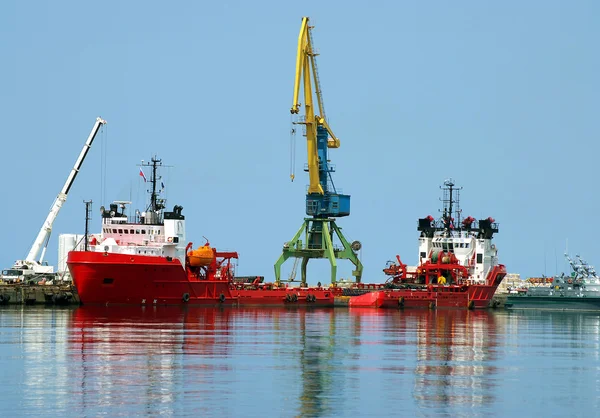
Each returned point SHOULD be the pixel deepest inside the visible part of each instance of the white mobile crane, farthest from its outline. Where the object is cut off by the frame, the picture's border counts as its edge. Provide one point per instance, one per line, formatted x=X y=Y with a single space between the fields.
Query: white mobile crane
x=32 y=265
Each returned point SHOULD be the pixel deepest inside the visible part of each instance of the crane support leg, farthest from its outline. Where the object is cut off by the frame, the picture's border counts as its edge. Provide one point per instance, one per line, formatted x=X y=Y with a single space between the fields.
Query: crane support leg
x=318 y=243
x=328 y=246
x=287 y=254
x=303 y=270
x=348 y=254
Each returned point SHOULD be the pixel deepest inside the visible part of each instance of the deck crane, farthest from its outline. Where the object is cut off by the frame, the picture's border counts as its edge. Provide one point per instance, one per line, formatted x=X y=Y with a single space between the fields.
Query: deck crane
x=32 y=264
x=323 y=202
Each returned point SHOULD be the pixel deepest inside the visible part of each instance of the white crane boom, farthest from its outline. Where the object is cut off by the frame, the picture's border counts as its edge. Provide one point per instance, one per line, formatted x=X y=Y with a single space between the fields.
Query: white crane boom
x=45 y=231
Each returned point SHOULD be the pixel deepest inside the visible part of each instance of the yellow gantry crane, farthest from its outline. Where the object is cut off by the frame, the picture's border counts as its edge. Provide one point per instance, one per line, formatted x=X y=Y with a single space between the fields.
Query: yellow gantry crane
x=323 y=201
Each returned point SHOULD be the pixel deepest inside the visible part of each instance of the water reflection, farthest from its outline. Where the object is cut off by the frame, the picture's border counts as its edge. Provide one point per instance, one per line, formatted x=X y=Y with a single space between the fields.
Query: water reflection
x=318 y=362
x=296 y=362
x=455 y=355
x=118 y=347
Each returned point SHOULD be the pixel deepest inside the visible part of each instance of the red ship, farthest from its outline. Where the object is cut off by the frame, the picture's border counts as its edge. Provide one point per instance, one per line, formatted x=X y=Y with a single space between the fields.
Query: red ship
x=458 y=264
x=146 y=260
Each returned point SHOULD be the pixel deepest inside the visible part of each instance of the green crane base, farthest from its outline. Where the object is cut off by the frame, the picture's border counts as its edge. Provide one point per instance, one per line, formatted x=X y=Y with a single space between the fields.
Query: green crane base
x=318 y=243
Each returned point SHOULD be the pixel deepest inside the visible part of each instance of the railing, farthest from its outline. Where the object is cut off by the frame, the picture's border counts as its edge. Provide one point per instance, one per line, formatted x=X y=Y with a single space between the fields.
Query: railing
x=439 y=225
x=330 y=167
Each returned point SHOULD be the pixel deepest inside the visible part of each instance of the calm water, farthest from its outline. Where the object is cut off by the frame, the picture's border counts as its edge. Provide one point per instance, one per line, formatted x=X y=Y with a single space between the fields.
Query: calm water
x=278 y=362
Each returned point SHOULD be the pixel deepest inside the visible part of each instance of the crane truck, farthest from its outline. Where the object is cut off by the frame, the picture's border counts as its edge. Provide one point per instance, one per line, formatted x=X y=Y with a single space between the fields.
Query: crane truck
x=33 y=266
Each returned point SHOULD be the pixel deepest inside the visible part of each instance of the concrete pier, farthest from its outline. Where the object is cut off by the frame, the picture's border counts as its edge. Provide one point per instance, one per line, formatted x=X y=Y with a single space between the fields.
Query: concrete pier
x=26 y=294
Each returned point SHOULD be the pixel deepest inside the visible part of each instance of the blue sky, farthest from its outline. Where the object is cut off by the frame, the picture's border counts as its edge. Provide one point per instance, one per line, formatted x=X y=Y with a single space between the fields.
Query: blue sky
x=502 y=97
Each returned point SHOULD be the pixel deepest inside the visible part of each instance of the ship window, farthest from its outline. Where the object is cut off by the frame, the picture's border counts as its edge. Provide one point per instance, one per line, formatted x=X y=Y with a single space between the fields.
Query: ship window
x=479 y=258
x=120 y=231
x=466 y=245
x=423 y=254
x=107 y=281
x=445 y=246
x=131 y=231
x=462 y=245
x=143 y=231
x=137 y=231
x=114 y=231
x=126 y=231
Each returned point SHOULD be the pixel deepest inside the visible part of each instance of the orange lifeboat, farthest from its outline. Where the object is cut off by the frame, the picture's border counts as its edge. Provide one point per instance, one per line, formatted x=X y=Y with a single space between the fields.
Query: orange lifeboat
x=202 y=256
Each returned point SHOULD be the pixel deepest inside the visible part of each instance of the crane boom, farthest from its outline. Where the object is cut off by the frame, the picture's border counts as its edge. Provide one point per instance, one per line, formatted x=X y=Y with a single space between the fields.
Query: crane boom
x=45 y=231
x=305 y=64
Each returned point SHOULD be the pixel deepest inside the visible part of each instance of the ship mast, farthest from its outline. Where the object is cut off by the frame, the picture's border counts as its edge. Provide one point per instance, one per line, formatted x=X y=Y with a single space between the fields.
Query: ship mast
x=153 y=179
x=451 y=200
x=156 y=204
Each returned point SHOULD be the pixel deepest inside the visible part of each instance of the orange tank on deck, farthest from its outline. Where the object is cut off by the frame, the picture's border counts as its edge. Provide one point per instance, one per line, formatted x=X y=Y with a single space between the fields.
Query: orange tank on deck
x=202 y=256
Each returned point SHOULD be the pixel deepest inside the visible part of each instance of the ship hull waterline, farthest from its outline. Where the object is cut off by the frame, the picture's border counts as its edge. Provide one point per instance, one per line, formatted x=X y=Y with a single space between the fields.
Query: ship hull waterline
x=122 y=279
x=553 y=303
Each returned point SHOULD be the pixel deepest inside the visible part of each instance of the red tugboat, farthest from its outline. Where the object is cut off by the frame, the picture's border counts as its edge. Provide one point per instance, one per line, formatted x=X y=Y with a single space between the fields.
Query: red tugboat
x=458 y=264
x=144 y=260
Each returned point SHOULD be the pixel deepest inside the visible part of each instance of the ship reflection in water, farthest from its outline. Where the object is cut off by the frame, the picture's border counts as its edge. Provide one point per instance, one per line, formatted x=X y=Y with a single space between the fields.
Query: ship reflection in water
x=455 y=357
x=114 y=361
x=308 y=363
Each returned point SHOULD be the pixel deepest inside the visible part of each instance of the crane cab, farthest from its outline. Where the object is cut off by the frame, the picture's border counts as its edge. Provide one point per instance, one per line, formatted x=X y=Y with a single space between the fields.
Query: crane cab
x=328 y=205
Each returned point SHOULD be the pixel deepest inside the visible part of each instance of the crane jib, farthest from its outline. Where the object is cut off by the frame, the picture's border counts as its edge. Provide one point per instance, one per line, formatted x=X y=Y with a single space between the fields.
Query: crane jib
x=46 y=229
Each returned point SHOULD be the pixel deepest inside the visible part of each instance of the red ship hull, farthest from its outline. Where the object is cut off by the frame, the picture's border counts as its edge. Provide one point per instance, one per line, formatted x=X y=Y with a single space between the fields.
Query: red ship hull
x=473 y=297
x=123 y=279
x=287 y=296
x=470 y=296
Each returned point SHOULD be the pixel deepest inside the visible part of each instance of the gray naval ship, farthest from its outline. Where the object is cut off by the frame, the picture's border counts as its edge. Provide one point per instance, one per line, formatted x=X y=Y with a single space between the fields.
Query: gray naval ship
x=578 y=291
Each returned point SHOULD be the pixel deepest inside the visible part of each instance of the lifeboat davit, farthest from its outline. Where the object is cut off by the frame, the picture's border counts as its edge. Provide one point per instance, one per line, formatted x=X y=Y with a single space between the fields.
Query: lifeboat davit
x=202 y=256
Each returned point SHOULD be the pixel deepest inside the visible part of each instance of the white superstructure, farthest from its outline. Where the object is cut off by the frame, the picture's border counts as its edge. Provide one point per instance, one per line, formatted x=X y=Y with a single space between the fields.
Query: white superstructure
x=165 y=237
x=469 y=240
x=154 y=232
